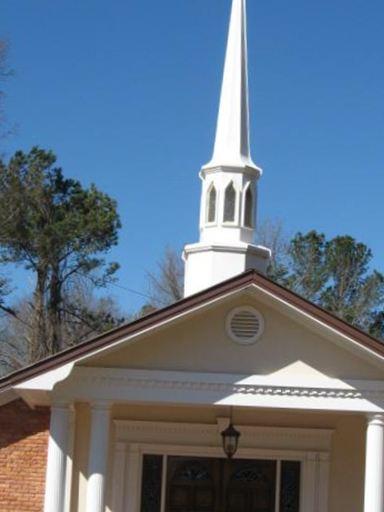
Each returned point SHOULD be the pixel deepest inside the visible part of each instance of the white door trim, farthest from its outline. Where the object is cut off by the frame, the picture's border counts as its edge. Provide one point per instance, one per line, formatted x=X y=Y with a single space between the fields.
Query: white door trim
x=309 y=446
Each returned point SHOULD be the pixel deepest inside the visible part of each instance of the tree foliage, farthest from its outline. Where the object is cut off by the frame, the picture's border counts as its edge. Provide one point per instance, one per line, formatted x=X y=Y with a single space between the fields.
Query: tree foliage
x=60 y=231
x=336 y=274
x=89 y=315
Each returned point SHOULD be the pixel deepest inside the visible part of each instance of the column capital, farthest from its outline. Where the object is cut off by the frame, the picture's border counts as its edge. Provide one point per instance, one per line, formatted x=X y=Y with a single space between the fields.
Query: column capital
x=376 y=419
x=101 y=405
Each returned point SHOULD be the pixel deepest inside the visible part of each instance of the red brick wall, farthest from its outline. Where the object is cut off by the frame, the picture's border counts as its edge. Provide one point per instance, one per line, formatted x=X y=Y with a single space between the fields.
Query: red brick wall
x=23 y=454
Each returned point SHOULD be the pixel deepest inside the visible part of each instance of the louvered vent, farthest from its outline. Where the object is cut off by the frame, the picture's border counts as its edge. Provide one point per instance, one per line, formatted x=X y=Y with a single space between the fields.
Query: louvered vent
x=245 y=325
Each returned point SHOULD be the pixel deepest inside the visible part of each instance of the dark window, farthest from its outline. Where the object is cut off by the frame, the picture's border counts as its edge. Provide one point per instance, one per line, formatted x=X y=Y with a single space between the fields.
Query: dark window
x=229 y=203
x=212 y=199
x=214 y=485
x=248 y=209
x=151 y=483
x=290 y=486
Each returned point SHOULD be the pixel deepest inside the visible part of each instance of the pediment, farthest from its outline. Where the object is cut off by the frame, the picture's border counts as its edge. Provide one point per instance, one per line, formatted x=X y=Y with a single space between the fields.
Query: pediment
x=290 y=346
x=299 y=342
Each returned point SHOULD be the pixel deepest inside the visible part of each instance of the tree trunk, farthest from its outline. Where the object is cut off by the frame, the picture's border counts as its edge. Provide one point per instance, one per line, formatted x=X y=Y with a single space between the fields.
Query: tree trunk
x=54 y=311
x=39 y=346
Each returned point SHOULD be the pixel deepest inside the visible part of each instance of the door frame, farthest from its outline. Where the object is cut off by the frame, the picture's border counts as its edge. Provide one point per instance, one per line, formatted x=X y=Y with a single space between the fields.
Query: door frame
x=134 y=439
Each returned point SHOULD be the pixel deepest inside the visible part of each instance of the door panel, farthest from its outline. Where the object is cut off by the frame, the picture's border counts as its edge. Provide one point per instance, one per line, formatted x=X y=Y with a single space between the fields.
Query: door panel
x=217 y=485
x=192 y=485
x=250 y=486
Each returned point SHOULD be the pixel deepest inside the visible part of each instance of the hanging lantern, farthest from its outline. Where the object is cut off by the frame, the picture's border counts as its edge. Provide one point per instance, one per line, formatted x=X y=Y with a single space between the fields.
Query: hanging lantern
x=230 y=437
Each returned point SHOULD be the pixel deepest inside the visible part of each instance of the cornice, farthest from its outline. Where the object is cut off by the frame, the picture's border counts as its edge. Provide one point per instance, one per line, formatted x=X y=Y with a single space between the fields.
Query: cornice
x=241 y=248
x=224 y=384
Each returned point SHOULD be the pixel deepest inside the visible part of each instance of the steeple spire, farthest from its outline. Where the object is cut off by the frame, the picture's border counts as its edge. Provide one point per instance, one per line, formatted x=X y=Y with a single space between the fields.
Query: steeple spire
x=232 y=133
x=229 y=181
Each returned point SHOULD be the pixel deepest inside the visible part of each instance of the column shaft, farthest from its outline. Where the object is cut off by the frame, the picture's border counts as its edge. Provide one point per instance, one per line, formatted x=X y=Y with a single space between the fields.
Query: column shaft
x=57 y=458
x=98 y=457
x=374 y=465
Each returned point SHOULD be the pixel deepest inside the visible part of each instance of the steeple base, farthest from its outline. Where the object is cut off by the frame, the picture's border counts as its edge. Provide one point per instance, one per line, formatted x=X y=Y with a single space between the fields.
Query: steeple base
x=207 y=265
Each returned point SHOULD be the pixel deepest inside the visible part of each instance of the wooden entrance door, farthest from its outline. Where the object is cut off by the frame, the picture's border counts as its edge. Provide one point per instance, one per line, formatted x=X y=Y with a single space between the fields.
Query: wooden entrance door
x=218 y=485
x=250 y=486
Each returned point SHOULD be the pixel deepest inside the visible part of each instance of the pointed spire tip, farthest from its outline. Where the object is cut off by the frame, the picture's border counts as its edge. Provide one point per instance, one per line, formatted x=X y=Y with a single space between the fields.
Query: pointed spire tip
x=232 y=147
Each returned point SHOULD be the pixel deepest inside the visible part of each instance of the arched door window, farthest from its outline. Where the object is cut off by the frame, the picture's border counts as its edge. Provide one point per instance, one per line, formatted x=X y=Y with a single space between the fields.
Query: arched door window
x=252 y=487
x=248 y=208
x=211 y=204
x=230 y=203
x=191 y=487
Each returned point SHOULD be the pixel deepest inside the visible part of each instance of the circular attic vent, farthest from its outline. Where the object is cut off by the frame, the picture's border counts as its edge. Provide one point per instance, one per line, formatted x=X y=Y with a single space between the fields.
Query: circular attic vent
x=245 y=325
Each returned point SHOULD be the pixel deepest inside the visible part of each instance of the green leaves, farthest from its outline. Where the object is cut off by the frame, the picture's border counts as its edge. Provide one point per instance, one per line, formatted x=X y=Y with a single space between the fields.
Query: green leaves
x=52 y=218
x=48 y=219
x=56 y=228
x=309 y=269
x=336 y=275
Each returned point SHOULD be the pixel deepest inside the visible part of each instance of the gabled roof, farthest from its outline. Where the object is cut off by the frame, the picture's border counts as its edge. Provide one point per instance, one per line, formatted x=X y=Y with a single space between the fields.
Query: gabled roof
x=158 y=317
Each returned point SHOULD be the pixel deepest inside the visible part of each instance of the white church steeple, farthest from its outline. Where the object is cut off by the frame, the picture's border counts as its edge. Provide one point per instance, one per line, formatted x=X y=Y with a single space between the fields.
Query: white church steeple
x=229 y=180
x=232 y=133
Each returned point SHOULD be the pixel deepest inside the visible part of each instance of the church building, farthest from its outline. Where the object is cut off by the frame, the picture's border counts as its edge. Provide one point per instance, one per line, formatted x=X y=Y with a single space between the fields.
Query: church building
x=242 y=397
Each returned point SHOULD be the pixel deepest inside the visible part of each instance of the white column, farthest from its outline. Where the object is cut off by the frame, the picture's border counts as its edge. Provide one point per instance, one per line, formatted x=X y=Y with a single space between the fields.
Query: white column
x=98 y=457
x=57 y=458
x=374 y=465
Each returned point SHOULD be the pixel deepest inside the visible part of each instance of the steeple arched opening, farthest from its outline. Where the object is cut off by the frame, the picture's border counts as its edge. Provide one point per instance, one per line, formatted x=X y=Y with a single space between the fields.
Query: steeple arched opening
x=229 y=203
x=211 y=204
x=249 y=207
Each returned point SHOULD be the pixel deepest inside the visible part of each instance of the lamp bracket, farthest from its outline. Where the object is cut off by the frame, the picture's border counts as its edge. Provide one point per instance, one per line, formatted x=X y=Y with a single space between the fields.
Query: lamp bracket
x=222 y=423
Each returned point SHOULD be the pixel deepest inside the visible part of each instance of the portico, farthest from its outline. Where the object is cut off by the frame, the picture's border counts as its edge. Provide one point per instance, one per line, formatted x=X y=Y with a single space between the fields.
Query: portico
x=308 y=392
x=133 y=418
x=136 y=439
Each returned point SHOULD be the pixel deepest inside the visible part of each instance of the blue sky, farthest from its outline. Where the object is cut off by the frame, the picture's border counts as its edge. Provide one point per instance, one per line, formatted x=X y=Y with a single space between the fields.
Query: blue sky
x=126 y=93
